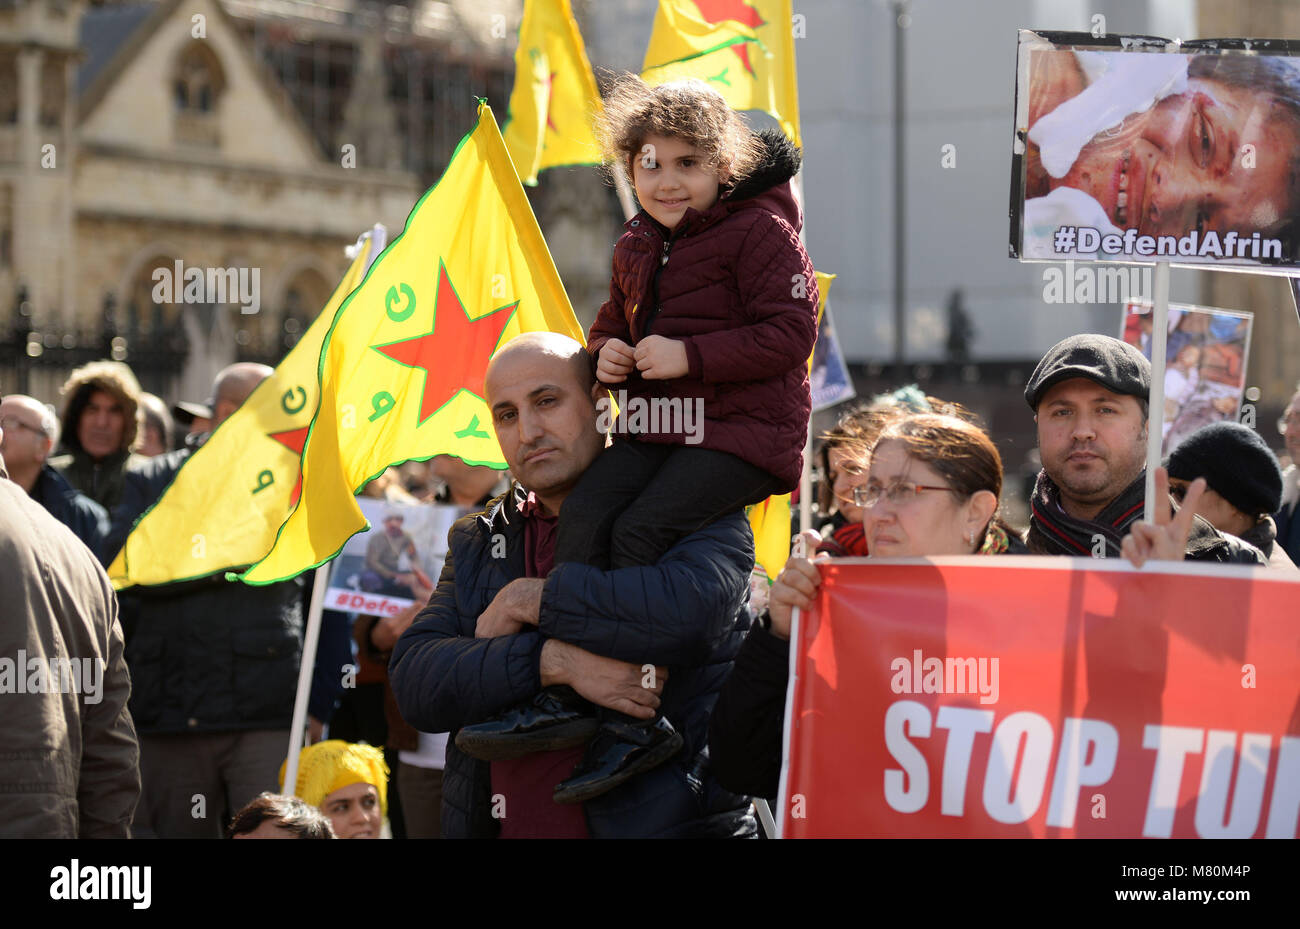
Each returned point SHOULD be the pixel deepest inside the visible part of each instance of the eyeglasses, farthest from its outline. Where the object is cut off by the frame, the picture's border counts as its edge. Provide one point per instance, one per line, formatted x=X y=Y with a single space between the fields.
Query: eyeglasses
x=898 y=494
x=1178 y=489
x=19 y=424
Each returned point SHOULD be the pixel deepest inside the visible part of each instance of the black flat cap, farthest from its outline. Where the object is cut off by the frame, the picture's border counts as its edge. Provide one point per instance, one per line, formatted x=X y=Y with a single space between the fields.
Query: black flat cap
x=1116 y=365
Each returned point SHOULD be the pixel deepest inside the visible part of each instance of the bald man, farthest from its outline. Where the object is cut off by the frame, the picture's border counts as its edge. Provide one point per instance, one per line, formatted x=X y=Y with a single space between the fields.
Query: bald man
x=213 y=664
x=504 y=622
x=31 y=431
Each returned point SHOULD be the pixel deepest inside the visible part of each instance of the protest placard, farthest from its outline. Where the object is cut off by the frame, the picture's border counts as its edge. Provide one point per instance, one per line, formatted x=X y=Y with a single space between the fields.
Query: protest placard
x=1044 y=697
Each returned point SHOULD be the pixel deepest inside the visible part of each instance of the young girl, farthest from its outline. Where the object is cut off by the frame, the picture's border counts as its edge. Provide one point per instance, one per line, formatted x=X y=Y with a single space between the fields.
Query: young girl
x=705 y=342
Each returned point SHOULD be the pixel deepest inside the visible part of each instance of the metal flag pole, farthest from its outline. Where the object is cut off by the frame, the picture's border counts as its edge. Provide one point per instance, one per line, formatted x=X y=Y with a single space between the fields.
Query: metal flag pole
x=624 y=193
x=310 y=640
x=1156 y=418
x=311 y=635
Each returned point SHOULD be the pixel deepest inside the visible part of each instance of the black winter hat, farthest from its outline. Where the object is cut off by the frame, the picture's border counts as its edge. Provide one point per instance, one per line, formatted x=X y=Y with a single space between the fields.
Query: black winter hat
x=1115 y=365
x=1235 y=462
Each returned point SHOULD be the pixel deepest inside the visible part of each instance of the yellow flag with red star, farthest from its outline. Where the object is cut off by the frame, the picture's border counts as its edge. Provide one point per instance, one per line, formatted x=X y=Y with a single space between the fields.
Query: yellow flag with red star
x=555 y=100
x=744 y=49
x=228 y=500
x=402 y=368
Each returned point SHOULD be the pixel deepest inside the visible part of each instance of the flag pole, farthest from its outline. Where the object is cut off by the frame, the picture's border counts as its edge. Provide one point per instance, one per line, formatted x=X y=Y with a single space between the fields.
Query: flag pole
x=309 y=643
x=805 y=475
x=796 y=618
x=378 y=235
x=624 y=193
x=1156 y=417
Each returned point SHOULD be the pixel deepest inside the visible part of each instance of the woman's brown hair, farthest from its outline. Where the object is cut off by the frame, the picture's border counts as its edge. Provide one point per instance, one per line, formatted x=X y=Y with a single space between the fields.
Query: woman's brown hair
x=858 y=430
x=690 y=110
x=957 y=448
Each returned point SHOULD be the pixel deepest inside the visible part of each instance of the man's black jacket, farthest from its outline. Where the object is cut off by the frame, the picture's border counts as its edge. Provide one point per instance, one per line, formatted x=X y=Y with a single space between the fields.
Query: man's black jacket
x=206 y=655
x=86 y=518
x=686 y=613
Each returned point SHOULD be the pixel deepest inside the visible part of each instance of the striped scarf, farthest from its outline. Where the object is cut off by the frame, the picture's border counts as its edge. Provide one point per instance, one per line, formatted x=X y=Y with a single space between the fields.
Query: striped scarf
x=1052 y=531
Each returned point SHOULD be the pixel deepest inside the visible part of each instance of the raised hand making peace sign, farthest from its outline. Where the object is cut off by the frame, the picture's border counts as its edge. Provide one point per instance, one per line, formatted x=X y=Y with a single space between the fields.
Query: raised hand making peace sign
x=1166 y=539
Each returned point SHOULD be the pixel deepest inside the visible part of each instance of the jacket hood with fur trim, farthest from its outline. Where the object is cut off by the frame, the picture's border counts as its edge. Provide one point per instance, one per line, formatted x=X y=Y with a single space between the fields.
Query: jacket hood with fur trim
x=767 y=186
x=113 y=378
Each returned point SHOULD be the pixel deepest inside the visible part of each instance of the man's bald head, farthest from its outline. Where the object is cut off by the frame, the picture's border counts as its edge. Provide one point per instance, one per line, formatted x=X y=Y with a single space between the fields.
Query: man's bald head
x=232 y=387
x=28 y=431
x=554 y=345
x=38 y=413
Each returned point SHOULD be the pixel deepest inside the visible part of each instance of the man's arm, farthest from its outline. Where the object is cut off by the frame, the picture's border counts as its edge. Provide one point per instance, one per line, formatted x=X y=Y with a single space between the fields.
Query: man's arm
x=372 y=557
x=443 y=678
x=109 y=786
x=671 y=613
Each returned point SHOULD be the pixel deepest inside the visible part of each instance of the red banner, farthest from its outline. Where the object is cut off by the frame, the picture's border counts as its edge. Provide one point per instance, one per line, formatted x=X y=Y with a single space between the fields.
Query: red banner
x=1045 y=697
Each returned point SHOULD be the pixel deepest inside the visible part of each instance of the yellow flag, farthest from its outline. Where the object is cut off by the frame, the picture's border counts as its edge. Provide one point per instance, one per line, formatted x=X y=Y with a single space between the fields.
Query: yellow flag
x=555 y=98
x=402 y=368
x=770 y=521
x=744 y=49
x=823 y=288
x=226 y=503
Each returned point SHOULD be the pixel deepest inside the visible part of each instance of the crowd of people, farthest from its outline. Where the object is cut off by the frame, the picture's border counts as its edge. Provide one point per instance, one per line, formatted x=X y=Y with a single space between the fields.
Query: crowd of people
x=589 y=663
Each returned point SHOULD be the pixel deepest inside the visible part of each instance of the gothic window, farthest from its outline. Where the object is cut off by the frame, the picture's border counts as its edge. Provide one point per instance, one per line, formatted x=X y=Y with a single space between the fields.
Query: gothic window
x=198 y=80
x=197 y=83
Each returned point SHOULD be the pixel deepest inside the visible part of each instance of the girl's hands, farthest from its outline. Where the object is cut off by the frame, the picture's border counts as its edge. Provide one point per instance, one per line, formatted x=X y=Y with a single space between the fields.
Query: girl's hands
x=660 y=359
x=615 y=363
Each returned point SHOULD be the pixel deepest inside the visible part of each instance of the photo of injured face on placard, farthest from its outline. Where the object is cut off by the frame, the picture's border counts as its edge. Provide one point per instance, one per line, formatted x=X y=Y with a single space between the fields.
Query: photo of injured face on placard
x=1205 y=364
x=1139 y=154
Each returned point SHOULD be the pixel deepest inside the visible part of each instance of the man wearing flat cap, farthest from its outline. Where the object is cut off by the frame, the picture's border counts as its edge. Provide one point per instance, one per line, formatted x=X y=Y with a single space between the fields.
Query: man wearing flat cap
x=1090 y=396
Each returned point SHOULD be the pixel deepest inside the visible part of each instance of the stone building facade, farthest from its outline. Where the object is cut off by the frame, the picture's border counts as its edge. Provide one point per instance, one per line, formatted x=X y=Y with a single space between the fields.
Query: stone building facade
x=232 y=134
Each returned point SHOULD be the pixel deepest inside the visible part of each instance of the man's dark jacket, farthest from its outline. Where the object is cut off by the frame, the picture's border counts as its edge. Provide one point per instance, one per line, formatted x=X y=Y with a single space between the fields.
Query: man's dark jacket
x=101 y=480
x=206 y=655
x=1288 y=530
x=686 y=613
x=86 y=518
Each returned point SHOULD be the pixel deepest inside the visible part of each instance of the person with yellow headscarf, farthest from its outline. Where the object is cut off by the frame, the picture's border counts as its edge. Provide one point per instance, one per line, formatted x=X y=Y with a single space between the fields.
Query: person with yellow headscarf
x=348 y=782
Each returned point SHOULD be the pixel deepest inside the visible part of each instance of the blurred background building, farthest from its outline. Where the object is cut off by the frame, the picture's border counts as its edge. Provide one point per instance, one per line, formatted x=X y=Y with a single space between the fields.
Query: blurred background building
x=130 y=141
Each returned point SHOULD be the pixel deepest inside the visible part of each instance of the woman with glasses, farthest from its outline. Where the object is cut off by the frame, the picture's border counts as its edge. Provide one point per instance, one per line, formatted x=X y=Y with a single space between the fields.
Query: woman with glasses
x=844 y=469
x=931 y=490
x=844 y=460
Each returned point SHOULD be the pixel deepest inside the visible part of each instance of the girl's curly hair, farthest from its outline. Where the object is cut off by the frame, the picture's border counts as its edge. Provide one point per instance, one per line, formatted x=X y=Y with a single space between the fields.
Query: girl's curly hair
x=689 y=110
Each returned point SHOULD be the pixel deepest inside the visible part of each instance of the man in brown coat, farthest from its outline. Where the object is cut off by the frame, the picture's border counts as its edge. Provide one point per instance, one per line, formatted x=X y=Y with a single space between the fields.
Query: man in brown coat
x=70 y=766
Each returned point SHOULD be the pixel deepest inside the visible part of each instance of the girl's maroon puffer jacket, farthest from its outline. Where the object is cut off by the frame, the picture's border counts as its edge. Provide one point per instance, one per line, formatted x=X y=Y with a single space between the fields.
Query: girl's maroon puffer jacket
x=735 y=285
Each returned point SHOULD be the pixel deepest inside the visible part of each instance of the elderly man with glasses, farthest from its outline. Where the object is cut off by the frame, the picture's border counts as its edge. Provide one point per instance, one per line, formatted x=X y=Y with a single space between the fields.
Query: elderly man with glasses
x=31 y=431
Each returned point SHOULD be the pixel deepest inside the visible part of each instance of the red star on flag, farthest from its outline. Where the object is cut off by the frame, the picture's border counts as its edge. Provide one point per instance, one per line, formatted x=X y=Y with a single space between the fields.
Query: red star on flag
x=717 y=11
x=293 y=440
x=454 y=354
x=550 y=87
